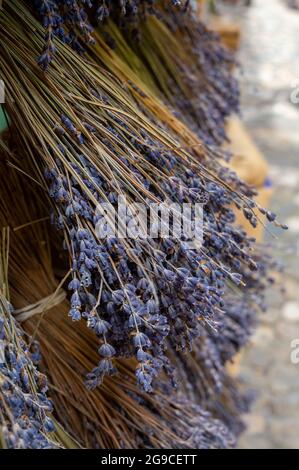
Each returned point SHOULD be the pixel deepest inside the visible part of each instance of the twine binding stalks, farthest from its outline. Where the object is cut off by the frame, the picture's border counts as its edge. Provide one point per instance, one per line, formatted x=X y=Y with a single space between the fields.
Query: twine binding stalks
x=160 y=320
x=41 y=306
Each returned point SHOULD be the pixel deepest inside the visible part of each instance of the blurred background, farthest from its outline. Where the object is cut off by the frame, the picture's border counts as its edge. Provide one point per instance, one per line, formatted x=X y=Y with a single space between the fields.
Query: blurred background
x=266 y=37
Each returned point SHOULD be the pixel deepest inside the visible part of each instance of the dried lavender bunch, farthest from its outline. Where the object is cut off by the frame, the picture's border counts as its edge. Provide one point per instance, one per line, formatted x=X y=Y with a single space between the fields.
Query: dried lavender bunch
x=69 y=21
x=192 y=75
x=204 y=374
x=197 y=428
x=24 y=405
x=216 y=89
x=164 y=419
x=136 y=295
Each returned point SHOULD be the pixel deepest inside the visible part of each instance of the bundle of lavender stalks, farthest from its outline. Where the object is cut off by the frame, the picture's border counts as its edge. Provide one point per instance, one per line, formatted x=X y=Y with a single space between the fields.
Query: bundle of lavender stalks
x=133 y=332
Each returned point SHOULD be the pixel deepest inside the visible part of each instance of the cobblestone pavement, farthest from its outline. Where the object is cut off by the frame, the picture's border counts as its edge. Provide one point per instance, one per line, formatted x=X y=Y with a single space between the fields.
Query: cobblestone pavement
x=270 y=58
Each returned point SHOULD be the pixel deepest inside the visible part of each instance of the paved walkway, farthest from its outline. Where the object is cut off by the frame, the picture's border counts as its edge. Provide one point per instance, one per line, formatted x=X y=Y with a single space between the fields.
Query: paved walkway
x=270 y=55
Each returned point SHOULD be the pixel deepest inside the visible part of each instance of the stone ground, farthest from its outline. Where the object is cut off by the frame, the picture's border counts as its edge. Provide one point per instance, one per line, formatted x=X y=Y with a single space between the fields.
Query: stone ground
x=270 y=57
